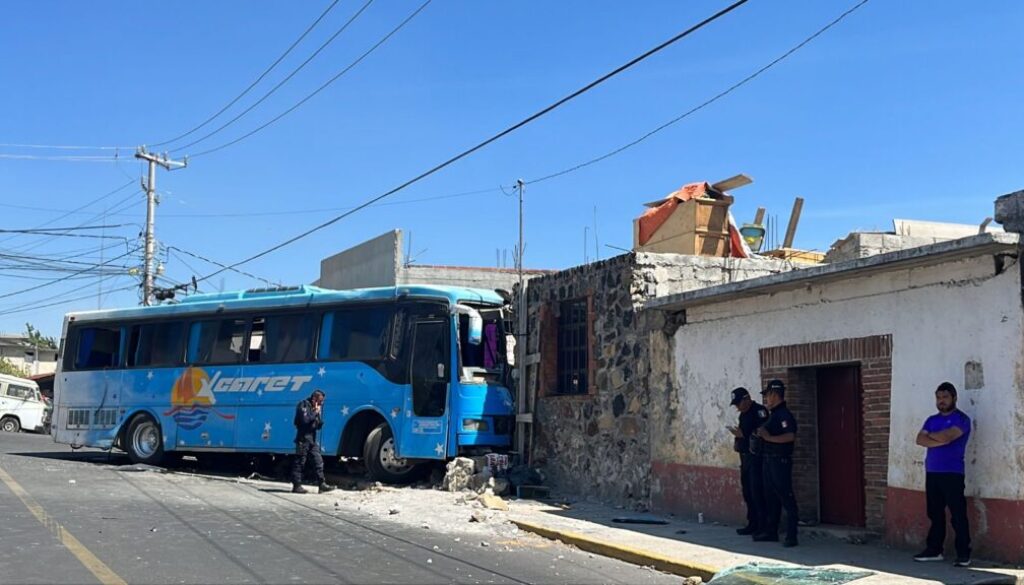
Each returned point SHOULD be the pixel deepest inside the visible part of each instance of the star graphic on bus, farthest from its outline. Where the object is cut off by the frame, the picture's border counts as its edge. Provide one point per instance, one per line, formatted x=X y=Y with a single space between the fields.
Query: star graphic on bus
x=439 y=449
x=192 y=401
x=344 y=411
x=149 y=375
x=322 y=371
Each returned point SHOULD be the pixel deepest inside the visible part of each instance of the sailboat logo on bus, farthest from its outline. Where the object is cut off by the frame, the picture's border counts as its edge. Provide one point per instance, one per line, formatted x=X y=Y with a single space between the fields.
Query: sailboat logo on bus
x=192 y=401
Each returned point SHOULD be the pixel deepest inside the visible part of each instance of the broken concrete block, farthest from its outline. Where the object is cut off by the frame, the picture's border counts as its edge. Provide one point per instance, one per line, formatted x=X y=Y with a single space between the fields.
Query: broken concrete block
x=458 y=474
x=493 y=502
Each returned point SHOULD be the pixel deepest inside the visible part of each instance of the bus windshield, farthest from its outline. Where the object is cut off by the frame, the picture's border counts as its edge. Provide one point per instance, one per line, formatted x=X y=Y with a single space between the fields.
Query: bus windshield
x=485 y=361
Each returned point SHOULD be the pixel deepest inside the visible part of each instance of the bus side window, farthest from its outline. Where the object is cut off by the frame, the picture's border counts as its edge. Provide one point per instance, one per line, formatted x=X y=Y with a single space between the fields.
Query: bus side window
x=156 y=344
x=217 y=341
x=282 y=338
x=97 y=347
x=360 y=334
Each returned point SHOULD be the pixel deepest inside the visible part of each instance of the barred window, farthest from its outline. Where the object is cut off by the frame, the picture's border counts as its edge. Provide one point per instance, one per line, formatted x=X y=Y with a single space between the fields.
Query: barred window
x=573 y=348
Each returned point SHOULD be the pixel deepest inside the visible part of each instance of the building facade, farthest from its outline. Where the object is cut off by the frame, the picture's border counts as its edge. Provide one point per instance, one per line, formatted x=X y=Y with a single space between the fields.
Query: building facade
x=861 y=346
x=629 y=364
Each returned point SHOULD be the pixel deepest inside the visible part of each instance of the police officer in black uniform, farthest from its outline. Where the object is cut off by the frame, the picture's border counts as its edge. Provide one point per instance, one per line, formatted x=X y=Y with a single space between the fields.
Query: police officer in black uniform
x=308 y=420
x=776 y=440
x=752 y=415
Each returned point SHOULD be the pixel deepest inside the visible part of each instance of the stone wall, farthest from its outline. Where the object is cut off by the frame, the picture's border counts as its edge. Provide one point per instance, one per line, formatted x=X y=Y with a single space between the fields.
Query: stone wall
x=599 y=444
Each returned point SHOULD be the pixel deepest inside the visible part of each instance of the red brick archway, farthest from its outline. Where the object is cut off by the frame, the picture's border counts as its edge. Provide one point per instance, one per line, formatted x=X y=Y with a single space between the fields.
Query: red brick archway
x=795 y=365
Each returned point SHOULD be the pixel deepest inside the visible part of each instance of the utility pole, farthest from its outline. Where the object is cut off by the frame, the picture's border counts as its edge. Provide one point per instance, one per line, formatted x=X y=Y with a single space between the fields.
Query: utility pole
x=149 y=271
x=524 y=409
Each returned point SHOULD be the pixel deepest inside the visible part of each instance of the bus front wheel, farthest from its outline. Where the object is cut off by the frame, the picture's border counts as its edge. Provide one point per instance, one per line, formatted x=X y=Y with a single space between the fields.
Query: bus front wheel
x=144 y=441
x=381 y=458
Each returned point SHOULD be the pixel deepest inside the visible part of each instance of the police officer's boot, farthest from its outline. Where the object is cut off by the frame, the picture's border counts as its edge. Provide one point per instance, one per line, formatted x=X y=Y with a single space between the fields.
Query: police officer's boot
x=298 y=489
x=326 y=487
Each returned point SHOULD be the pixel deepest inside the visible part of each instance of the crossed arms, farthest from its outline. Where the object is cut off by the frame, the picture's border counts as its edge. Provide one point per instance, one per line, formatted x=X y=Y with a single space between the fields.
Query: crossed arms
x=940 y=438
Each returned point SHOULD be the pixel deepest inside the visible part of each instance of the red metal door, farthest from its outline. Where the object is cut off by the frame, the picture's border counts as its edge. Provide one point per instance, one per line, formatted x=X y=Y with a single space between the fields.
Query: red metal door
x=840 y=446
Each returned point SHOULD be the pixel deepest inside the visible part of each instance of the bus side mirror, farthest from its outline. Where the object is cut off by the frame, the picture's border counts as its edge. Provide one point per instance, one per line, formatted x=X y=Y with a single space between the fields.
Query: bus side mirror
x=510 y=349
x=476 y=328
x=476 y=324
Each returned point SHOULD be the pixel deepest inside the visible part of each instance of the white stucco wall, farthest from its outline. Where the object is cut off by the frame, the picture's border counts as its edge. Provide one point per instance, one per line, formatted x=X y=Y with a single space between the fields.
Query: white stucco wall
x=940 y=317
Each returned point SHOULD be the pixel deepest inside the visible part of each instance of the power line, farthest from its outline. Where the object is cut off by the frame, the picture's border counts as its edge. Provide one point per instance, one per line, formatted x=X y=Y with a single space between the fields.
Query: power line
x=64 y=147
x=324 y=86
x=224 y=266
x=121 y=205
x=703 y=105
x=282 y=82
x=77 y=209
x=57 y=157
x=490 y=140
x=63 y=229
x=58 y=280
x=267 y=213
x=34 y=307
x=258 y=79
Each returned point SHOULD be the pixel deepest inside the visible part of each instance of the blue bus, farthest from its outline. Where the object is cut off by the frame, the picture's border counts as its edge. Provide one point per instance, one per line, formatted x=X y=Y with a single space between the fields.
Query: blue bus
x=411 y=374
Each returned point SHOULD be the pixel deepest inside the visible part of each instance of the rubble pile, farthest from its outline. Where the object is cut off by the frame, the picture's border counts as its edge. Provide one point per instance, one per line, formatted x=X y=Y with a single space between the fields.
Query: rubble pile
x=488 y=475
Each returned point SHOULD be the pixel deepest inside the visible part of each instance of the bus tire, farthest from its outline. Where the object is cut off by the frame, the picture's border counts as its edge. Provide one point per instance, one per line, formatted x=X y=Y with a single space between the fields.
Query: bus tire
x=379 y=455
x=144 y=441
x=10 y=424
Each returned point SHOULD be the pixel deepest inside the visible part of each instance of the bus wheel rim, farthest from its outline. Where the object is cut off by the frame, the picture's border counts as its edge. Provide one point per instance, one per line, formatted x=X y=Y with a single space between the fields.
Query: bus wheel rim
x=145 y=440
x=389 y=459
x=9 y=425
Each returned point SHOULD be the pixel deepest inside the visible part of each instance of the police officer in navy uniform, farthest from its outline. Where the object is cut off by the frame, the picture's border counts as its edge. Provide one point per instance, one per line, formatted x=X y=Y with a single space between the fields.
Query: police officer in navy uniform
x=752 y=415
x=777 y=435
x=308 y=420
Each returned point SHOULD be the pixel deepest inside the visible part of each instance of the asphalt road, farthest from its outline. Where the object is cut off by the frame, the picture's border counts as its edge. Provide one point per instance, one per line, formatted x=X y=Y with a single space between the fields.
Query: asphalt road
x=86 y=517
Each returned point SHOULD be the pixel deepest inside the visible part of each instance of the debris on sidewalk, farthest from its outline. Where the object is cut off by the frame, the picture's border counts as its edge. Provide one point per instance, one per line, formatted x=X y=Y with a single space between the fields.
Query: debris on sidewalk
x=493 y=502
x=769 y=574
x=459 y=474
x=488 y=473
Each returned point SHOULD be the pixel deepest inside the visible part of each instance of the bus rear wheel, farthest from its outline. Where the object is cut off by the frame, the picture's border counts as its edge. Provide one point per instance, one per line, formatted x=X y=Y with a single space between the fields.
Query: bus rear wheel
x=381 y=458
x=9 y=424
x=144 y=441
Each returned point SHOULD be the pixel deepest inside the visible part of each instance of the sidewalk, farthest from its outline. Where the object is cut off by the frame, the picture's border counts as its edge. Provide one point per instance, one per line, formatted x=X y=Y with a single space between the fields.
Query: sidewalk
x=692 y=549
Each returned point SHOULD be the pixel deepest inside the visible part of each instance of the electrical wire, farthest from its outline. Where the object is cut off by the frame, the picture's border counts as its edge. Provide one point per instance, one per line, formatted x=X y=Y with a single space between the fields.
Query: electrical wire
x=59 y=280
x=63 y=146
x=77 y=209
x=488 y=141
x=35 y=307
x=57 y=157
x=258 y=79
x=123 y=204
x=322 y=87
x=224 y=266
x=281 y=83
x=63 y=229
x=703 y=105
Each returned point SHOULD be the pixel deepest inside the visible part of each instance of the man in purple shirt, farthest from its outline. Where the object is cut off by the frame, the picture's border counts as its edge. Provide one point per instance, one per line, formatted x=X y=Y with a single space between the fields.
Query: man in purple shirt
x=945 y=435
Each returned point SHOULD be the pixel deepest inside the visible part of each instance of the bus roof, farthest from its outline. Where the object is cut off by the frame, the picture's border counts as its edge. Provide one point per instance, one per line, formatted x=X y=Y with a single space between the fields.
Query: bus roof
x=294 y=296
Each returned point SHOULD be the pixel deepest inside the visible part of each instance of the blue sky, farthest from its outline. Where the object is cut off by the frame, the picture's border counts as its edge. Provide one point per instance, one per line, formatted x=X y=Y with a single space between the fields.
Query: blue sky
x=904 y=110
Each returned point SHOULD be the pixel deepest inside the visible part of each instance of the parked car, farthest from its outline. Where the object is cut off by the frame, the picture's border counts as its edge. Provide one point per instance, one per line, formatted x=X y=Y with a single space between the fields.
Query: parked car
x=22 y=406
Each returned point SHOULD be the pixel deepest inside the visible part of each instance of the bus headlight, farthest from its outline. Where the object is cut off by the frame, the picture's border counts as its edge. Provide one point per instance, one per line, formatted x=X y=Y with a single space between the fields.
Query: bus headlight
x=477 y=425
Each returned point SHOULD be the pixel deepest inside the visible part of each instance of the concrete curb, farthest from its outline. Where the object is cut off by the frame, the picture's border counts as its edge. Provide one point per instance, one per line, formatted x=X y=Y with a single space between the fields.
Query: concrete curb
x=628 y=554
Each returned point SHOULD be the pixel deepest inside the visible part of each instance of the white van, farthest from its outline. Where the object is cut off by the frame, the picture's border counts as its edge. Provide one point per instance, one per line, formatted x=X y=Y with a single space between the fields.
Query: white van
x=22 y=405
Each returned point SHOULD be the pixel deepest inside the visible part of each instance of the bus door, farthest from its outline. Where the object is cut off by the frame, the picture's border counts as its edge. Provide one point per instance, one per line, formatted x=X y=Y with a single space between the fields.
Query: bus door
x=424 y=432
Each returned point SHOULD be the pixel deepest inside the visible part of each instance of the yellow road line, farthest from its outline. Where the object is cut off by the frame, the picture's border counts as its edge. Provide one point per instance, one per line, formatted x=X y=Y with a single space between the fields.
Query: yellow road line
x=102 y=572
